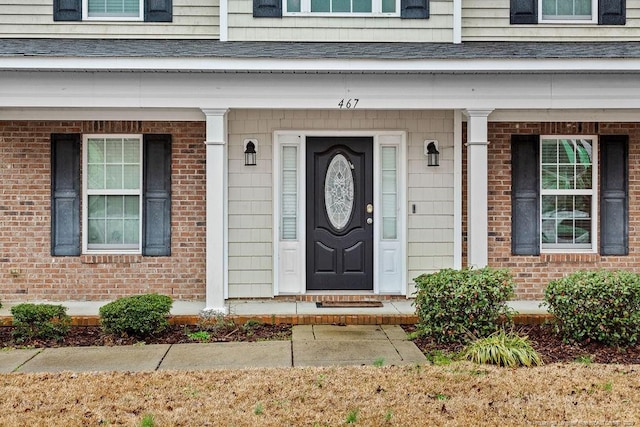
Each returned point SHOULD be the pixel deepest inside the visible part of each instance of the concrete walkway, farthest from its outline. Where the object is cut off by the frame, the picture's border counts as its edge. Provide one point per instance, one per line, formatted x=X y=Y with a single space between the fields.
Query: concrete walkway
x=311 y=345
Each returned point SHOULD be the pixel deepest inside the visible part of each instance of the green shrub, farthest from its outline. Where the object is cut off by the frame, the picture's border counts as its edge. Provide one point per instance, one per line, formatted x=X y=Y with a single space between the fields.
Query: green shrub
x=503 y=349
x=451 y=304
x=40 y=321
x=601 y=306
x=138 y=316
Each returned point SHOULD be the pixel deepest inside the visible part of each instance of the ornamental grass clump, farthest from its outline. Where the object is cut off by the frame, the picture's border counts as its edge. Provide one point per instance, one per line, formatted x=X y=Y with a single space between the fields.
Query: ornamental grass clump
x=40 y=321
x=137 y=316
x=602 y=306
x=451 y=304
x=503 y=349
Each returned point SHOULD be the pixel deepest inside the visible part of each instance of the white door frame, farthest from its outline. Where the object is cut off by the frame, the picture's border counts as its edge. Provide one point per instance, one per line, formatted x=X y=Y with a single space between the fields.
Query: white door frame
x=389 y=256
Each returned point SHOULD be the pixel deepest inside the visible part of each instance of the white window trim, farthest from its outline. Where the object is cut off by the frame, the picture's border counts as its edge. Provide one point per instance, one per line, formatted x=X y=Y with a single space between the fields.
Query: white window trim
x=86 y=193
x=568 y=20
x=86 y=17
x=305 y=10
x=593 y=193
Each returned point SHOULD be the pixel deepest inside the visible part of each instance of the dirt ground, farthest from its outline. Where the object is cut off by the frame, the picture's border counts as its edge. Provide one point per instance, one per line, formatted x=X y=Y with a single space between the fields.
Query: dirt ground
x=460 y=394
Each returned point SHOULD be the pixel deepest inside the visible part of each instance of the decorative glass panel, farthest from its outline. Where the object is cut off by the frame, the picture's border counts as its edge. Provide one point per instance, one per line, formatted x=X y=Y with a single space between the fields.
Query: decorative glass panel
x=389 y=193
x=289 y=207
x=338 y=192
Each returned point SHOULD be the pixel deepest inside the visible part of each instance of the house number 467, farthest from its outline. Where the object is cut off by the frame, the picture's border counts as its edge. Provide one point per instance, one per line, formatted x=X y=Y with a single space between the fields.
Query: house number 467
x=348 y=103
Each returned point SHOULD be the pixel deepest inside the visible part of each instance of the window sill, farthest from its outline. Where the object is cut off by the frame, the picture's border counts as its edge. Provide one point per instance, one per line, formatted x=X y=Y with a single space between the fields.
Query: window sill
x=110 y=259
x=570 y=258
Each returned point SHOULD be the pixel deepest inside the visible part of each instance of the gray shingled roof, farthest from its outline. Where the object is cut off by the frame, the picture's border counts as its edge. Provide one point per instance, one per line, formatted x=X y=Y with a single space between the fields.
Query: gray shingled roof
x=132 y=48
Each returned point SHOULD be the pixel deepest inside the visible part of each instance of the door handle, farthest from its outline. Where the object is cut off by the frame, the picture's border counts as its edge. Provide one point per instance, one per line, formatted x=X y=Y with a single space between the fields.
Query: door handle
x=369 y=220
x=369 y=208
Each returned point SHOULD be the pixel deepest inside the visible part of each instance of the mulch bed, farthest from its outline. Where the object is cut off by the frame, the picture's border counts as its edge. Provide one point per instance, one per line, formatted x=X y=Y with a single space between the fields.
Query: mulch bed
x=82 y=336
x=550 y=346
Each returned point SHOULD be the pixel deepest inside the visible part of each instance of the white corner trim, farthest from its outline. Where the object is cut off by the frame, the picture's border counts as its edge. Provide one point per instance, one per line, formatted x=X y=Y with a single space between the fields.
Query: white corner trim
x=457 y=21
x=223 y=18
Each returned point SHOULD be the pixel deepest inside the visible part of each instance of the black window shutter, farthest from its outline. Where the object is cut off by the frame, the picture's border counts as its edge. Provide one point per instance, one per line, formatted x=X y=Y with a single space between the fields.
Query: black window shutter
x=614 y=195
x=525 y=195
x=524 y=12
x=65 y=194
x=67 y=10
x=158 y=11
x=414 y=9
x=267 y=8
x=612 y=12
x=156 y=205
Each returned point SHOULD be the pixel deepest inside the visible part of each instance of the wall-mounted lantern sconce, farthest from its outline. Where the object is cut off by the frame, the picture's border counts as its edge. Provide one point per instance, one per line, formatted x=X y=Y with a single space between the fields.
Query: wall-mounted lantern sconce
x=432 y=153
x=250 y=155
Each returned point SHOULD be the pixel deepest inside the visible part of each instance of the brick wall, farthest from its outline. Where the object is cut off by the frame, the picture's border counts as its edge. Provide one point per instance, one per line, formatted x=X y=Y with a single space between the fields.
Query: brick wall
x=532 y=273
x=27 y=269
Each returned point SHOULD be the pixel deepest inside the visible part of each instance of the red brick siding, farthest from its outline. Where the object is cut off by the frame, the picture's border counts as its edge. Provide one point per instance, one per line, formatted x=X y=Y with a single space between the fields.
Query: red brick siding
x=532 y=273
x=25 y=220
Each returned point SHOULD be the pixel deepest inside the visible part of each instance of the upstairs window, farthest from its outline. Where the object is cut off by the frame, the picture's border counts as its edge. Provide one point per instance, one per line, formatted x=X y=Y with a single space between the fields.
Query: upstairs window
x=113 y=9
x=342 y=7
x=568 y=10
x=601 y=12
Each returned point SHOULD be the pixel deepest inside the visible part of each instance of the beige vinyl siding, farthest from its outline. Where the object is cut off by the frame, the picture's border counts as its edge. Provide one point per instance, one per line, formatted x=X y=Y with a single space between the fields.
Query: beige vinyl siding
x=430 y=229
x=34 y=18
x=244 y=27
x=488 y=20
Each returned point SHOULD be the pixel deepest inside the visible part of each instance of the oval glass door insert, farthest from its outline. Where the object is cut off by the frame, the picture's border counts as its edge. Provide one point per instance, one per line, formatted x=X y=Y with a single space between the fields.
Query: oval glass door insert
x=338 y=192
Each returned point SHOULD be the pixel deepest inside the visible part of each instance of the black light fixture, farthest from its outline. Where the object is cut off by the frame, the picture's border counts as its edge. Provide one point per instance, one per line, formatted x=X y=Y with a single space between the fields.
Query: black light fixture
x=250 y=156
x=433 y=155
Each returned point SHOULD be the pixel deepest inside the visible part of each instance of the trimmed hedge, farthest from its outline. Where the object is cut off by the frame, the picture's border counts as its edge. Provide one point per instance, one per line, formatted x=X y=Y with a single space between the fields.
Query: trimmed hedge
x=601 y=306
x=40 y=321
x=137 y=316
x=456 y=305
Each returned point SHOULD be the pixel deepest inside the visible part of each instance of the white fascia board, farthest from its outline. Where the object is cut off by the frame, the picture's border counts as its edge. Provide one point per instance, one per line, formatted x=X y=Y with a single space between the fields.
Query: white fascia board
x=319 y=65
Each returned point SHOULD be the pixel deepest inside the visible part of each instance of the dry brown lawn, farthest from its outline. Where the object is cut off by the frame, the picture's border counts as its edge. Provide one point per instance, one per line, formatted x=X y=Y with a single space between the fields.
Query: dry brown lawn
x=460 y=394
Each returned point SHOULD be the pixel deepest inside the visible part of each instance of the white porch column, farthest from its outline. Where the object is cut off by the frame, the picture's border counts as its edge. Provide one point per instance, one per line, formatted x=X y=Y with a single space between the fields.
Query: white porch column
x=216 y=246
x=477 y=181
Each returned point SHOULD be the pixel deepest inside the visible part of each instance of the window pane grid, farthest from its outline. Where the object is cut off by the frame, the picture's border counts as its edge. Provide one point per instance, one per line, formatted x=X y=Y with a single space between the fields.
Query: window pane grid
x=113 y=8
x=566 y=9
x=113 y=194
x=567 y=193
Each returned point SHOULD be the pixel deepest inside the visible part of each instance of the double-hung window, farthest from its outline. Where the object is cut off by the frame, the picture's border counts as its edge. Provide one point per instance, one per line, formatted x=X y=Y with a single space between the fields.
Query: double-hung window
x=575 y=198
x=568 y=11
x=568 y=192
x=124 y=202
x=113 y=193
